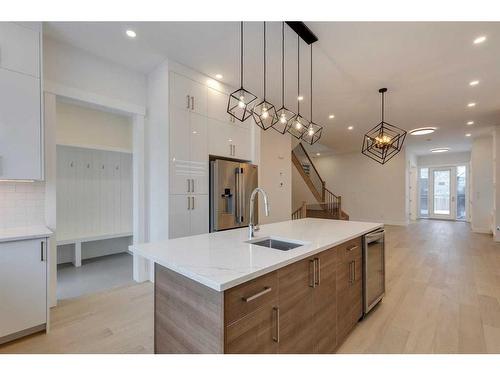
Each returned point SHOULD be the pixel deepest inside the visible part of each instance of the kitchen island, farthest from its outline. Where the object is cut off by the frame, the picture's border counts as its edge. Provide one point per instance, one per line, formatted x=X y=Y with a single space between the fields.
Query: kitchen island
x=218 y=293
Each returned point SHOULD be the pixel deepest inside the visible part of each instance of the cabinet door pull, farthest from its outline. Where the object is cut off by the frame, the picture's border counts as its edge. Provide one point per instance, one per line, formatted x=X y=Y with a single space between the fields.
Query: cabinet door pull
x=192 y=203
x=189 y=185
x=350 y=272
x=192 y=103
x=353 y=271
x=41 y=252
x=312 y=283
x=192 y=185
x=189 y=203
x=276 y=336
x=266 y=290
x=187 y=96
x=318 y=270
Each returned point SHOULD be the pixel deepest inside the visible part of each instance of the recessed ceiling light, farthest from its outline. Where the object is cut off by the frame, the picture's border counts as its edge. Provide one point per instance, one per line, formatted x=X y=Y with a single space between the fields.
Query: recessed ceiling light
x=318 y=154
x=473 y=83
x=479 y=39
x=218 y=76
x=350 y=127
x=422 y=131
x=442 y=149
x=131 y=33
x=300 y=97
x=331 y=116
x=471 y=104
x=468 y=134
x=470 y=122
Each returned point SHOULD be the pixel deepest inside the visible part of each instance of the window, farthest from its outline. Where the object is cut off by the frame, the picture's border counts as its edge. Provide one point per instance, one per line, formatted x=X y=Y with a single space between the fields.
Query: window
x=423 y=185
x=461 y=192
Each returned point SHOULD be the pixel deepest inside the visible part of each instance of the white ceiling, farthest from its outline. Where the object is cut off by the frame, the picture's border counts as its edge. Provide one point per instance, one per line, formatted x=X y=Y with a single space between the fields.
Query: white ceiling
x=426 y=66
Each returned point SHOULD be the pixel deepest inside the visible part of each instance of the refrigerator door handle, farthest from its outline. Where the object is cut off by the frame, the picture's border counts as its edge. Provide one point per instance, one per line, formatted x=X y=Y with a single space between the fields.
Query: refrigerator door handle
x=242 y=196
x=237 y=200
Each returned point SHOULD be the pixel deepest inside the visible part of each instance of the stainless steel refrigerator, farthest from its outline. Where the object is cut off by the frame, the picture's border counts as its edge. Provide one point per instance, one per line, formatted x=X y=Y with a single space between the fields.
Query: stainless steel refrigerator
x=231 y=184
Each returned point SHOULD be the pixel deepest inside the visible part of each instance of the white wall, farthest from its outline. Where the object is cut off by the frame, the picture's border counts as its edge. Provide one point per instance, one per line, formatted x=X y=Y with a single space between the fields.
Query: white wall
x=300 y=190
x=157 y=152
x=75 y=71
x=444 y=159
x=496 y=177
x=482 y=184
x=370 y=191
x=275 y=175
x=88 y=127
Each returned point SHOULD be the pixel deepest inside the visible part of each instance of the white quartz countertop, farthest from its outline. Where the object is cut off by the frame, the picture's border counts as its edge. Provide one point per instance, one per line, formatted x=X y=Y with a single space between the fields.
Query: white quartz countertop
x=24 y=233
x=222 y=260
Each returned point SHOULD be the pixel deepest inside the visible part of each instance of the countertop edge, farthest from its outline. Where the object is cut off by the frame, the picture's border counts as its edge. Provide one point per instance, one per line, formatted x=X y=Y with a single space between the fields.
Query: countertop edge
x=21 y=234
x=240 y=280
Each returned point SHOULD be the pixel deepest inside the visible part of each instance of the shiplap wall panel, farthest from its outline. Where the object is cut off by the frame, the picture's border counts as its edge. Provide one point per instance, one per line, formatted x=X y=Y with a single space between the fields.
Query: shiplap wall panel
x=94 y=192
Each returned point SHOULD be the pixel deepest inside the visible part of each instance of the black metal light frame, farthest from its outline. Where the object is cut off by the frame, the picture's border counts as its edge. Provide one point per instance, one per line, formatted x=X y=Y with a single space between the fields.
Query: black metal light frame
x=238 y=105
x=383 y=141
x=285 y=116
x=314 y=131
x=300 y=123
x=264 y=113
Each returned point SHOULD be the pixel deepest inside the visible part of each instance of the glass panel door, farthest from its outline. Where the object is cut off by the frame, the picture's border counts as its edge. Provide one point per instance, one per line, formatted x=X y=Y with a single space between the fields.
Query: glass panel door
x=461 y=192
x=443 y=193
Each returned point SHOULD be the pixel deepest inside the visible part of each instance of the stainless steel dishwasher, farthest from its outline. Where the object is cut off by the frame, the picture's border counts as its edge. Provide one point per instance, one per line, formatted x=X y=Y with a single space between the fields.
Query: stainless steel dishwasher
x=373 y=269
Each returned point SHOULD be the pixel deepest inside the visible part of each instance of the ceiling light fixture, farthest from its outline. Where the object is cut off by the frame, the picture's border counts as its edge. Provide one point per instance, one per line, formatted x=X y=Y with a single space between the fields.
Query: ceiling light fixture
x=350 y=127
x=285 y=116
x=470 y=123
x=470 y=105
x=300 y=98
x=480 y=39
x=240 y=100
x=318 y=154
x=468 y=134
x=384 y=140
x=441 y=149
x=331 y=116
x=219 y=76
x=264 y=113
x=474 y=83
x=422 y=131
x=131 y=33
x=314 y=131
x=299 y=126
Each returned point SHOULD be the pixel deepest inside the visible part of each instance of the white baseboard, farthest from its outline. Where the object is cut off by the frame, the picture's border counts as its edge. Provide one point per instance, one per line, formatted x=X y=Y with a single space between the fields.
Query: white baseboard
x=481 y=230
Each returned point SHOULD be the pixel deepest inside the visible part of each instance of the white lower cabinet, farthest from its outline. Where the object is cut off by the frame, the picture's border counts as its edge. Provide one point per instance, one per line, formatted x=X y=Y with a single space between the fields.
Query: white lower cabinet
x=188 y=215
x=23 y=288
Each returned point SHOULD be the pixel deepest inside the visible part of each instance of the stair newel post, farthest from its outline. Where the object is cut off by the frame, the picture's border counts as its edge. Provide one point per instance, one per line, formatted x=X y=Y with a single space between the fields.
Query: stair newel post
x=304 y=210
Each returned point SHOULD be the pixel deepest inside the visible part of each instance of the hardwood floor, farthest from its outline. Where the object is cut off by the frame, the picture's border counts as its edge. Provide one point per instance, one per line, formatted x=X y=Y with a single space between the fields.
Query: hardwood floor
x=443 y=296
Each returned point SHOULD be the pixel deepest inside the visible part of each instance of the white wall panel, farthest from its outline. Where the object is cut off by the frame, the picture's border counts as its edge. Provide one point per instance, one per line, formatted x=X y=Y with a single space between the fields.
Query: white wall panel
x=94 y=192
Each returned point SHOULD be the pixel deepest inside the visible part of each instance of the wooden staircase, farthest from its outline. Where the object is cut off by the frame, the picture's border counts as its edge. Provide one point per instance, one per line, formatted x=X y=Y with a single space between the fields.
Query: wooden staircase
x=329 y=205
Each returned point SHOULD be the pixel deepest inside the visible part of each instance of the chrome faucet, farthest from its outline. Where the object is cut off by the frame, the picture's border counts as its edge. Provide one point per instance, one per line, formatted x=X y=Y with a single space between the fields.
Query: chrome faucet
x=251 y=225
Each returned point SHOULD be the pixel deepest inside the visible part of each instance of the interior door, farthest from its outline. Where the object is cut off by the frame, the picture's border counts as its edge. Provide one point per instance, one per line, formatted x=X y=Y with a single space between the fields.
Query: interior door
x=443 y=193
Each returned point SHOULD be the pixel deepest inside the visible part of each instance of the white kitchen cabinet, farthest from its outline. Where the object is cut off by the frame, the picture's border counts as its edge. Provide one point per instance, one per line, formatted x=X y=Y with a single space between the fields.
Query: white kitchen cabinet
x=19 y=49
x=23 y=291
x=228 y=140
x=188 y=153
x=189 y=215
x=187 y=94
x=20 y=126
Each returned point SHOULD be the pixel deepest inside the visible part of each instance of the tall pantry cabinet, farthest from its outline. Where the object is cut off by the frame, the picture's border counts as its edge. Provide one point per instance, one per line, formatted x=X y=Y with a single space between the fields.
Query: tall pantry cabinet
x=20 y=102
x=199 y=127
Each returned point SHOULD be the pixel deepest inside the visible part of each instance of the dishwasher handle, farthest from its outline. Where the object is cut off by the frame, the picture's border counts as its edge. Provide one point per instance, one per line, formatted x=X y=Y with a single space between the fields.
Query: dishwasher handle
x=374 y=236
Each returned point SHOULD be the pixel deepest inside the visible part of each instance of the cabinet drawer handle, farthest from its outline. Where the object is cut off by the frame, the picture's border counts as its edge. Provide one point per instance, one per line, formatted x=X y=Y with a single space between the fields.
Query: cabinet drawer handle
x=192 y=103
x=266 y=290
x=349 y=249
x=187 y=96
x=276 y=337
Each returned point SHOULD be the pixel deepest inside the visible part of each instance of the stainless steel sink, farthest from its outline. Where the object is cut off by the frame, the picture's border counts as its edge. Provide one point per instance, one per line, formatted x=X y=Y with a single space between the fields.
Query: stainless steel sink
x=275 y=243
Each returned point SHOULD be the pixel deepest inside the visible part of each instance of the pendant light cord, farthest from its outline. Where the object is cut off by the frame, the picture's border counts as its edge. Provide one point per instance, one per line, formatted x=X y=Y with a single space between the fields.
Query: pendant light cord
x=383 y=108
x=311 y=82
x=264 y=61
x=282 y=64
x=241 y=55
x=298 y=74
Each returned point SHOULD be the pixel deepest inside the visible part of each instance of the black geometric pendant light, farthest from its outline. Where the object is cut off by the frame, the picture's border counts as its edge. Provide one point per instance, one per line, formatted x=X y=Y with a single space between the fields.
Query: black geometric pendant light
x=286 y=117
x=384 y=140
x=240 y=101
x=313 y=133
x=264 y=113
x=299 y=124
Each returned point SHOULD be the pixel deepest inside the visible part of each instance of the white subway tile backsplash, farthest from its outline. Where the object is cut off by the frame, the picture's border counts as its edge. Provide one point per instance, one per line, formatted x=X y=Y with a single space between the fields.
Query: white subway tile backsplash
x=22 y=204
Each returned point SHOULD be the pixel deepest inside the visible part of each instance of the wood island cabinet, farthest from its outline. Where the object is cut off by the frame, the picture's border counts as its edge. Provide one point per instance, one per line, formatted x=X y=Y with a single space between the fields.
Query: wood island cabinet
x=309 y=306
